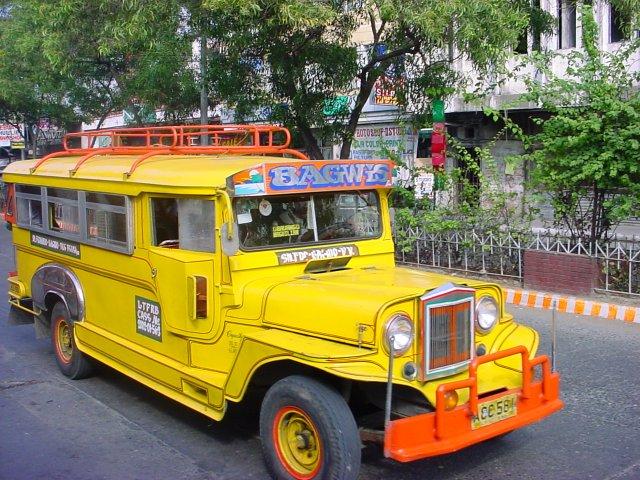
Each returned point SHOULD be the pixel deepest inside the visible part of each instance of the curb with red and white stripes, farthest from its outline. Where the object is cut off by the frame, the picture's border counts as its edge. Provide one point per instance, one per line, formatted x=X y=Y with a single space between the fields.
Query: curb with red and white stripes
x=577 y=306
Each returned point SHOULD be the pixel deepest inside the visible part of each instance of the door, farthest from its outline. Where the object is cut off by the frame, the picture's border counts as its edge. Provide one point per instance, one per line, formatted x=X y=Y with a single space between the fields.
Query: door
x=185 y=265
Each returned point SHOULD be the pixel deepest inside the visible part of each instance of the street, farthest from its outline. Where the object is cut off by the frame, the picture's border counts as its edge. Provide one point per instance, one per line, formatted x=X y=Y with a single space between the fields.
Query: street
x=110 y=427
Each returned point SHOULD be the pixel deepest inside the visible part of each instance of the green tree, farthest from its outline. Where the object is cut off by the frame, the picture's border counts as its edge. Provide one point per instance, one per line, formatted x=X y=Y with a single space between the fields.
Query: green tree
x=295 y=56
x=587 y=155
x=105 y=55
x=25 y=96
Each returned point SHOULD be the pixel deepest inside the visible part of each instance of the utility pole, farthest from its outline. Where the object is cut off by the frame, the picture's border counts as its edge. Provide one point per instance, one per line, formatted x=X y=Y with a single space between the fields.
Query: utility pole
x=204 y=97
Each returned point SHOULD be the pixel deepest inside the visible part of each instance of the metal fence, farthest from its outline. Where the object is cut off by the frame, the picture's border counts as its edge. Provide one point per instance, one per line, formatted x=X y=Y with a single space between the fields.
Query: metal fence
x=501 y=253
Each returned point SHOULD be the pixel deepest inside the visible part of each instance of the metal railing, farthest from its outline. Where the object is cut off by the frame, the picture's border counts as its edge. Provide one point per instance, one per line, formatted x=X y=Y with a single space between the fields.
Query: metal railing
x=501 y=253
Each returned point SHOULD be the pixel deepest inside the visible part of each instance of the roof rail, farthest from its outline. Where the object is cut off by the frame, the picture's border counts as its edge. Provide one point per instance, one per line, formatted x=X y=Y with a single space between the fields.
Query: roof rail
x=169 y=140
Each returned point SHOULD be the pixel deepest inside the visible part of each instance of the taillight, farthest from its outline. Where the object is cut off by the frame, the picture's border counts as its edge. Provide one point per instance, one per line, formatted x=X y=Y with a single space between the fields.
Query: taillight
x=9 y=205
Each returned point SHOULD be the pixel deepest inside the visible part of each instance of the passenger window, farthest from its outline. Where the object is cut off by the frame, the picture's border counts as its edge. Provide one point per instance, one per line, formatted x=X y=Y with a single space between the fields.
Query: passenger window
x=62 y=207
x=29 y=206
x=187 y=223
x=106 y=219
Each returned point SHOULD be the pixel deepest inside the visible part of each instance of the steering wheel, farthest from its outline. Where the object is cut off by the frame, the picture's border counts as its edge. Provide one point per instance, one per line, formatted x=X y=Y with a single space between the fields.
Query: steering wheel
x=337 y=230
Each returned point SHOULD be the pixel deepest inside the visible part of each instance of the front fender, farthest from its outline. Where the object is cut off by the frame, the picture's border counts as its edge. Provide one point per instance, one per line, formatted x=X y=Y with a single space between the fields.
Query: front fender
x=261 y=347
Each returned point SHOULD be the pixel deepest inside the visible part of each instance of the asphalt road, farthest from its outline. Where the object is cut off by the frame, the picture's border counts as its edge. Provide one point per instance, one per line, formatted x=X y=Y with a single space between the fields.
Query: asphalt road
x=110 y=427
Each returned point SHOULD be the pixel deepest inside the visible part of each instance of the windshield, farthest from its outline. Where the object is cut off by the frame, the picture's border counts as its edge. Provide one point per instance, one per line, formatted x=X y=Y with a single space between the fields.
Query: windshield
x=301 y=219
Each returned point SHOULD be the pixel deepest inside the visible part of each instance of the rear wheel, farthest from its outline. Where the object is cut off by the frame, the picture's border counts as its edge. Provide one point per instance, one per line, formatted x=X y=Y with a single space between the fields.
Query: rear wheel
x=71 y=361
x=308 y=432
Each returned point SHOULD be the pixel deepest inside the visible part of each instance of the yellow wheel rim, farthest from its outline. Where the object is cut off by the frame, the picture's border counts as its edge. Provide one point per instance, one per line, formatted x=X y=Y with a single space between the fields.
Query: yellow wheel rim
x=64 y=341
x=297 y=443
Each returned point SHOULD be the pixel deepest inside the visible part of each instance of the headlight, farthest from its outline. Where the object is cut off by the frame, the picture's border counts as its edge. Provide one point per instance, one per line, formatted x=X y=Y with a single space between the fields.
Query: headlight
x=487 y=312
x=398 y=334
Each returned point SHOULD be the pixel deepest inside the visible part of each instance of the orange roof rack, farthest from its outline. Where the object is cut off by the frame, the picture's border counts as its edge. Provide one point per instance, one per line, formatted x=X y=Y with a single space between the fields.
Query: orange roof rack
x=169 y=140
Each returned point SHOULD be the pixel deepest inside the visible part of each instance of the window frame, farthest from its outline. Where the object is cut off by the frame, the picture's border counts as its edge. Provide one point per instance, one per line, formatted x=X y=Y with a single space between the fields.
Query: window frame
x=314 y=243
x=82 y=236
x=151 y=223
x=103 y=207
x=29 y=197
x=564 y=8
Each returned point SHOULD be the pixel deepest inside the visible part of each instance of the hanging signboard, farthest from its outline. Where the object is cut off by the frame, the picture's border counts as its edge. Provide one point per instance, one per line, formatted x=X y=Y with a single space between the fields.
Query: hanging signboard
x=377 y=140
x=8 y=134
x=384 y=92
x=424 y=184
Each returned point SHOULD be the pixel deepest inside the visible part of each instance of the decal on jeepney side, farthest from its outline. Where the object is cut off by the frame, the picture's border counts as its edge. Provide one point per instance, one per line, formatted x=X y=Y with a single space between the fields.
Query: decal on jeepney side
x=148 y=318
x=309 y=254
x=58 y=245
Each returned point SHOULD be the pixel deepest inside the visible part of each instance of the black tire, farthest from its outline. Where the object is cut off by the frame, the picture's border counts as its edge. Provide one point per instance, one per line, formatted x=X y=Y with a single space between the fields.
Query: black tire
x=317 y=417
x=71 y=361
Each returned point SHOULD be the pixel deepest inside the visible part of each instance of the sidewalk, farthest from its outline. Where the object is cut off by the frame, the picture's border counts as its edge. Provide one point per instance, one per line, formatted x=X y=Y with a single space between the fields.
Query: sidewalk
x=577 y=306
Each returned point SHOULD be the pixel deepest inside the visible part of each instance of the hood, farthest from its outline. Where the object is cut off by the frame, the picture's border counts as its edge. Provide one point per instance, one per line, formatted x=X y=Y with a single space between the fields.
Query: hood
x=343 y=304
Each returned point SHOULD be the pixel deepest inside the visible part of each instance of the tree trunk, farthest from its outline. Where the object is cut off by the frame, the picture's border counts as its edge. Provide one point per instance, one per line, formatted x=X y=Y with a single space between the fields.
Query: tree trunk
x=25 y=136
x=366 y=86
x=99 y=125
x=310 y=142
x=34 y=140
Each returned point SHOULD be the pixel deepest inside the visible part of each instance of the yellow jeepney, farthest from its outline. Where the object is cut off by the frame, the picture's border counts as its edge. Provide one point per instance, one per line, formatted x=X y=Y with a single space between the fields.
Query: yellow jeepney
x=213 y=262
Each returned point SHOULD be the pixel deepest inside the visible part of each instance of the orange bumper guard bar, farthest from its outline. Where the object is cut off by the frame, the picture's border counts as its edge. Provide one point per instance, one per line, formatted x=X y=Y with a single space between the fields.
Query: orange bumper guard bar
x=443 y=431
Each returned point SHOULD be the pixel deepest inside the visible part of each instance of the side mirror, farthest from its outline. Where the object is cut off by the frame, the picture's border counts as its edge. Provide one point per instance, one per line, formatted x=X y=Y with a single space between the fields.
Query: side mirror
x=230 y=242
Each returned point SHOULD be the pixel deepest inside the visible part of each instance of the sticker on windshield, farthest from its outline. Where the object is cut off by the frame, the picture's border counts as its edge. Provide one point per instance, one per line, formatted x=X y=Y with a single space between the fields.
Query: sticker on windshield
x=244 y=218
x=265 y=208
x=309 y=254
x=280 y=231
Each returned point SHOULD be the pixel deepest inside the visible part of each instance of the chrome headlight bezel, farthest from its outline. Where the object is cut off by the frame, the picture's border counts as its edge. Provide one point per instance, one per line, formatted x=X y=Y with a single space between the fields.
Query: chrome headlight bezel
x=484 y=305
x=400 y=326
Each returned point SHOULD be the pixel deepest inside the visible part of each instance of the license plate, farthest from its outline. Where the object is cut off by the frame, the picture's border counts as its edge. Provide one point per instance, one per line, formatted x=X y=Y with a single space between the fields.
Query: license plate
x=494 y=411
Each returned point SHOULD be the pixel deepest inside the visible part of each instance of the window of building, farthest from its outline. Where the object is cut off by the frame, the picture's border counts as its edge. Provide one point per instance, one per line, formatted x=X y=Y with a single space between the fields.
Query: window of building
x=533 y=32
x=184 y=223
x=618 y=22
x=566 y=24
x=522 y=47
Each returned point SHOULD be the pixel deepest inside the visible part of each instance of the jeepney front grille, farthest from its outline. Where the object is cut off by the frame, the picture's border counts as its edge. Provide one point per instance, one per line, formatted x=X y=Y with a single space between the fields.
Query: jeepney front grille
x=448 y=338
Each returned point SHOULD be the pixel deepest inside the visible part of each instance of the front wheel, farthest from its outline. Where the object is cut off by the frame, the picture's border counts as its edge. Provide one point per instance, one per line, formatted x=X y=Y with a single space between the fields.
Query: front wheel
x=71 y=361
x=308 y=432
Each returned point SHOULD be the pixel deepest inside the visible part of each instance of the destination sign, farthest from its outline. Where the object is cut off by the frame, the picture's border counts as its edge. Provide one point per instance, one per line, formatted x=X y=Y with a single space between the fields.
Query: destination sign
x=299 y=177
x=66 y=247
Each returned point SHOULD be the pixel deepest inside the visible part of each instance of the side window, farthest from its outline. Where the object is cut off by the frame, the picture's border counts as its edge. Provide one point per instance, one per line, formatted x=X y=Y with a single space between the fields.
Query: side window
x=106 y=219
x=62 y=211
x=99 y=219
x=29 y=206
x=184 y=223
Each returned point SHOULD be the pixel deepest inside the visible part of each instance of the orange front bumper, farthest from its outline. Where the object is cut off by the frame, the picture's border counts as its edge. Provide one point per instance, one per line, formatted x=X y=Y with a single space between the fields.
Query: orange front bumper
x=445 y=431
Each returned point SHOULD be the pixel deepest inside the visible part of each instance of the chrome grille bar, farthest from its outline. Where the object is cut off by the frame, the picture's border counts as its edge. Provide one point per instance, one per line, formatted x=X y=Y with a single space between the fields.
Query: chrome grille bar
x=447 y=332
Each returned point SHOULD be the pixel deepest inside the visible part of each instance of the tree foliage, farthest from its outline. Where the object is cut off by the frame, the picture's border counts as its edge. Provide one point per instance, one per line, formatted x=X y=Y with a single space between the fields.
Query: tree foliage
x=587 y=155
x=99 y=57
x=289 y=57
